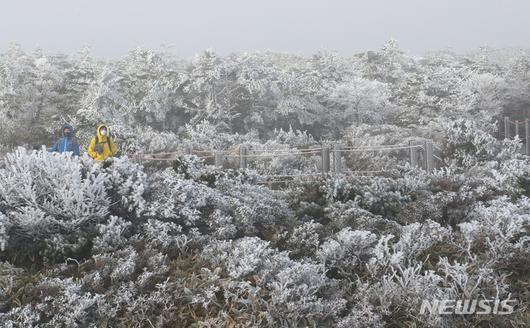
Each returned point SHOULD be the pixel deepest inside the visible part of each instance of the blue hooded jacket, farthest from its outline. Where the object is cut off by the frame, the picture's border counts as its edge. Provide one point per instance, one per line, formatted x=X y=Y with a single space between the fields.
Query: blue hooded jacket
x=67 y=143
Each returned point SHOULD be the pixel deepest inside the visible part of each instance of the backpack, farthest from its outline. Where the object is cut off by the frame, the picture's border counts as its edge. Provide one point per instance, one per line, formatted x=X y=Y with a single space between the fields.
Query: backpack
x=98 y=147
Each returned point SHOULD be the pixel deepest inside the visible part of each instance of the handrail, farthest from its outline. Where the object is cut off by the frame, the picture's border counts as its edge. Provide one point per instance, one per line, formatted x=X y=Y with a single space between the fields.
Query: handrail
x=242 y=154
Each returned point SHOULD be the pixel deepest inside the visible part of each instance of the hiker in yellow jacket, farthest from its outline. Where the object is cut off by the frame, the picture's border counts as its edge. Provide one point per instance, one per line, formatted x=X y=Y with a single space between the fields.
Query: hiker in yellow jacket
x=102 y=146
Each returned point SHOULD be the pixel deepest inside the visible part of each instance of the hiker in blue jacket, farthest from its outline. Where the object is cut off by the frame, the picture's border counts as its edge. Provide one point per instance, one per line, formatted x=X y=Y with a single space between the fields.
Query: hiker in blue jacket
x=68 y=142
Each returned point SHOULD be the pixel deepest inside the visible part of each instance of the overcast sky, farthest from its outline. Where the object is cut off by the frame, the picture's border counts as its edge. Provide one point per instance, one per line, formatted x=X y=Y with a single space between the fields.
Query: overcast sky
x=112 y=27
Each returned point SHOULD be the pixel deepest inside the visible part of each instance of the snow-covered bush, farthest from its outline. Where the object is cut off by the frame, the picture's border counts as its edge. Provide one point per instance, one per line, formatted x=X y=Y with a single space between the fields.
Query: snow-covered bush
x=471 y=142
x=166 y=236
x=294 y=288
x=304 y=239
x=347 y=252
x=128 y=183
x=53 y=202
x=72 y=191
x=499 y=227
x=417 y=237
x=222 y=202
x=401 y=291
x=47 y=200
x=65 y=298
x=111 y=235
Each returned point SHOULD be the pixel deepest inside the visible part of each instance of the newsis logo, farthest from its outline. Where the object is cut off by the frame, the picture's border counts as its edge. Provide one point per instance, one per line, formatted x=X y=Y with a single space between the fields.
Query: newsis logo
x=468 y=306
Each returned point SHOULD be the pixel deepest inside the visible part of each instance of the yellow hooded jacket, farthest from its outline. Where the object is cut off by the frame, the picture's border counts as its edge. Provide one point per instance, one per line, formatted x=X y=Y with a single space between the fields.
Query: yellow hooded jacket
x=104 y=146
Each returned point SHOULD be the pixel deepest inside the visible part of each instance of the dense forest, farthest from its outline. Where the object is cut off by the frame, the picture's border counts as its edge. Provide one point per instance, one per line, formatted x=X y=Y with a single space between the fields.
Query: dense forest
x=156 y=101
x=188 y=244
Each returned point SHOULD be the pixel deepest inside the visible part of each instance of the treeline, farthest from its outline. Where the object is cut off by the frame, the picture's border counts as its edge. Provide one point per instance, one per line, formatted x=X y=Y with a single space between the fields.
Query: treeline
x=151 y=99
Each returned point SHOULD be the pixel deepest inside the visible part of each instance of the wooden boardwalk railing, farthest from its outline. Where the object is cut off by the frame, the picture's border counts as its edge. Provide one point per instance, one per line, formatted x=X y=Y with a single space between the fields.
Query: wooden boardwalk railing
x=421 y=153
x=521 y=129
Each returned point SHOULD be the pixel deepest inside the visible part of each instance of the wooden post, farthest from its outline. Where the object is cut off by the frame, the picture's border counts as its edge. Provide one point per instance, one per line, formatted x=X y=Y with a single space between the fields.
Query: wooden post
x=527 y=135
x=325 y=159
x=506 y=127
x=428 y=158
x=413 y=153
x=218 y=159
x=242 y=157
x=337 y=159
x=517 y=128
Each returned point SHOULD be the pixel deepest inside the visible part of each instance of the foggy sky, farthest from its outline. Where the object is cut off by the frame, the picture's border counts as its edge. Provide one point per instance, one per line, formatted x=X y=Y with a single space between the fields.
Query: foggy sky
x=113 y=27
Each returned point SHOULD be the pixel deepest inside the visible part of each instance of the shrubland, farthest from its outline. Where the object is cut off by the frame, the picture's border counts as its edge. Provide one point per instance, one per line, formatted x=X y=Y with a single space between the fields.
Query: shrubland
x=187 y=244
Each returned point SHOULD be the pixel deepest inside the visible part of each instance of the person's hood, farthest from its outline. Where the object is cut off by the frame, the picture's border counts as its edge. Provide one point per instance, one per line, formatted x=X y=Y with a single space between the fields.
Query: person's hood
x=99 y=133
x=66 y=125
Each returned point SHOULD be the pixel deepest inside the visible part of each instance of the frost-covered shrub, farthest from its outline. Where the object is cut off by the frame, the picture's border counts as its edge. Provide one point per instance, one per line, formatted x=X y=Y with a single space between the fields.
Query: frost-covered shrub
x=112 y=235
x=466 y=280
x=413 y=240
x=293 y=138
x=383 y=256
x=499 y=226
x=471 y=142
x=166 y=236
x=47 y=201
x=241 y=258
x=208 y=136
x=270 y=214
x=304 y=240
x=54 y=202
x=228 y=208
x=148 y=140
x=294 y=288
x=4 y=228
x=417 y=237
x=222 y=225
x=118 y=265
x=494 y=178
x=11 y=279
x=179 y=199
x=351 y=214
x=347 y=252
x=128 y=183
x=362 y=312
x=70 y=305
x=441 y=196
x=401 y=291
x=378 y=195
x=72 y=191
